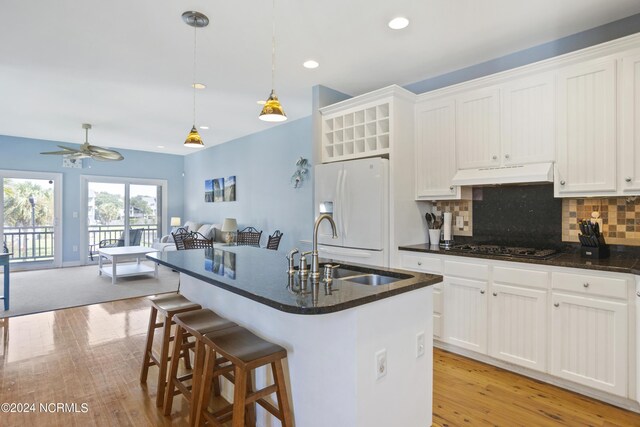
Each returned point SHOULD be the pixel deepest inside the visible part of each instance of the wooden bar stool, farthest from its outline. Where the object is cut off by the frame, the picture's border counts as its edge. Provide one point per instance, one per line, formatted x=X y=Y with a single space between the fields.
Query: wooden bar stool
x=168 y=306
x=191 y=324
x=246 y=352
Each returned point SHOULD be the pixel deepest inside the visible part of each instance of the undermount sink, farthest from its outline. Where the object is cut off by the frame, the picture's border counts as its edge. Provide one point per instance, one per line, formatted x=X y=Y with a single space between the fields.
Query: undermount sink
x=356 y=277
x=371 y=279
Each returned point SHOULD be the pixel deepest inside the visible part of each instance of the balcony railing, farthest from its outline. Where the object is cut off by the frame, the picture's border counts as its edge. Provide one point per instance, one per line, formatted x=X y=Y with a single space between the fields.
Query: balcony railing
x=29 y=243
x=37 y=243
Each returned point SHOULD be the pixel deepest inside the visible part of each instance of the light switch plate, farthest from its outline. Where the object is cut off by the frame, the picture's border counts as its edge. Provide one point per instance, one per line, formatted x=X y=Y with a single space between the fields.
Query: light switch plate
x=460 y=222
x=381 y=363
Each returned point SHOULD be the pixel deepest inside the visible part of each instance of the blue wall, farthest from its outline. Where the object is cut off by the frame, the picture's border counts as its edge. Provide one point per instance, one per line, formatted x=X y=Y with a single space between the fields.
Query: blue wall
x=23 y=154
x=265 y=198
x=591 y=37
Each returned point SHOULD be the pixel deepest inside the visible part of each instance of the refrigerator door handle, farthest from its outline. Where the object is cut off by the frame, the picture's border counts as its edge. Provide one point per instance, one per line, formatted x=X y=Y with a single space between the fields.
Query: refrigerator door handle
x=337 y=213
x=345 y=205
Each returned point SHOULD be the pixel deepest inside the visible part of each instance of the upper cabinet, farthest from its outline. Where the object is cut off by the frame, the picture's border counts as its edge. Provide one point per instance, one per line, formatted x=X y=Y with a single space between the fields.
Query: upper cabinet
x=629 y=177
x=364 y=126
x=586 y=149
x=478 y=128
x=435 y=153
x=528 y=120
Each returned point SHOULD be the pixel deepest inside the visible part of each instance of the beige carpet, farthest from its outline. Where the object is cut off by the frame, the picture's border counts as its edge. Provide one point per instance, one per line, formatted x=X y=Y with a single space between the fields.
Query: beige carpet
x=53 y=289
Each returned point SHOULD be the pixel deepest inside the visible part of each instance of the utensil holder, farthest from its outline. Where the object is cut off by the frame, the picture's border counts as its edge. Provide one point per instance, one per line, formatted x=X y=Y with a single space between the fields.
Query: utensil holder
x=434 y=236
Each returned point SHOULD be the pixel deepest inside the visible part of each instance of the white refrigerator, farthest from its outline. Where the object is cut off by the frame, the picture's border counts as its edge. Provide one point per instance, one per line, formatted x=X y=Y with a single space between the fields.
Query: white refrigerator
x=356 y=194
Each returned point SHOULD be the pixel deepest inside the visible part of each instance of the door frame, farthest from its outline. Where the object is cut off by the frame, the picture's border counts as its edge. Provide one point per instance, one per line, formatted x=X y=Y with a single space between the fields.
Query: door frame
x=56 y=177
x=84 y=187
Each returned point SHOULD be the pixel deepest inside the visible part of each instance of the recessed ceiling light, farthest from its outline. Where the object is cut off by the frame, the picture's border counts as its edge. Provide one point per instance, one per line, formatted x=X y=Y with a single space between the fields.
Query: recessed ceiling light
x=310 y=64
x=261 y=102
x=160 y=146
x=398 y=23
x=198 y=85
x=204 y=127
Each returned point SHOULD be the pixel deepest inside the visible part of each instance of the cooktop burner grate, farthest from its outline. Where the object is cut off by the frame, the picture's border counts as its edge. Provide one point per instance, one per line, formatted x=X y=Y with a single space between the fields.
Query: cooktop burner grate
x=507 y=251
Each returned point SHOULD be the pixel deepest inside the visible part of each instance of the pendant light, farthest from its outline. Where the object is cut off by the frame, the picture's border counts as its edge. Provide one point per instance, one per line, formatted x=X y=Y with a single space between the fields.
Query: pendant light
x=272 y=110
x=195 y=20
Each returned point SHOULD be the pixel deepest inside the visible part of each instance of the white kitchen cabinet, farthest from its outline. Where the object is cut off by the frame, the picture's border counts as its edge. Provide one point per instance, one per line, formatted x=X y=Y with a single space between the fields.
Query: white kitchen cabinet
x=629 y=177
x=465 y=304
x=435 y=154
x=363 y=126
x=528 y=120
x=478 y=128
x=465 y=313
x=586 y=138
x=589 y=330
x=518 y=313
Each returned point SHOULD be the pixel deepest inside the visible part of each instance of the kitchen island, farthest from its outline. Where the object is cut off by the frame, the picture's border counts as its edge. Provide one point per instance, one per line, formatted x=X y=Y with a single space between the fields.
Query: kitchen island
x=336 y=337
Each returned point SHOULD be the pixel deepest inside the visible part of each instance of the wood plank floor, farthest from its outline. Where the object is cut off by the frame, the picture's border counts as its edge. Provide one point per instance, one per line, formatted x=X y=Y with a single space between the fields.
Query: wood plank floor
x=470 y=393
x=93 y=354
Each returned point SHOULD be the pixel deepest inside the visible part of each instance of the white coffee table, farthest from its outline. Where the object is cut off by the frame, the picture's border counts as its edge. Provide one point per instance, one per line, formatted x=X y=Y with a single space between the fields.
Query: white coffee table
x=120 y=254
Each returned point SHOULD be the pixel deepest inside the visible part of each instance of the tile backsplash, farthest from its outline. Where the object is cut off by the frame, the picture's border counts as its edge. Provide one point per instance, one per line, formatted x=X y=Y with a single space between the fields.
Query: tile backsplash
x=620 y=218
x=461 y=208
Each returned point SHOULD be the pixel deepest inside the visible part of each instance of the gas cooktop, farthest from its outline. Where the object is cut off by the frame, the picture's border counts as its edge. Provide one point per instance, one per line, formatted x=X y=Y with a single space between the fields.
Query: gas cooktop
x=507 y=251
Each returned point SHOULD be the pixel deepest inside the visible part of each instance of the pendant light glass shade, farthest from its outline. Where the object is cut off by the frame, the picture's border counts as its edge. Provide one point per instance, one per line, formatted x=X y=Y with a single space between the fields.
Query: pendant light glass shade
x=272 y=110
x=193 y=139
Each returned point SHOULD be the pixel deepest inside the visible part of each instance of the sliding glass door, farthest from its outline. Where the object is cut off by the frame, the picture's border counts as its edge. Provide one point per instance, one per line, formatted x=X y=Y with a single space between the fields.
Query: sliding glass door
x=29 y=211
x=122 y=212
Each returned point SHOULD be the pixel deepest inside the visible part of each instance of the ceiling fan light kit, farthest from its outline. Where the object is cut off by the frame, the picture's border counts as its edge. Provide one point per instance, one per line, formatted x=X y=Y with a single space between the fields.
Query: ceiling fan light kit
x=272 y=110
x=195 y=20
x=87 y=151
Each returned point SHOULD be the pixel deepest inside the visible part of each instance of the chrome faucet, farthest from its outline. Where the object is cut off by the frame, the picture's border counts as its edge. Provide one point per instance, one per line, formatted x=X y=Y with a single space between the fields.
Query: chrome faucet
x=315 y=265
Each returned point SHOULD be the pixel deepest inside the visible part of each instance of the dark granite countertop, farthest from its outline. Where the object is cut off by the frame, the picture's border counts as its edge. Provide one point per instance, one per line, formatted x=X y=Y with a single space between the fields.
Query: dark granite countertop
x=260 y=275
x=618 y=262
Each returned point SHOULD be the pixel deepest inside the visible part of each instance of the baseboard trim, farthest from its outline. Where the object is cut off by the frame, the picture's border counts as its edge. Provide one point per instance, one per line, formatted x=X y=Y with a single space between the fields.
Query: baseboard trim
x=72 y=264
x=618 y=401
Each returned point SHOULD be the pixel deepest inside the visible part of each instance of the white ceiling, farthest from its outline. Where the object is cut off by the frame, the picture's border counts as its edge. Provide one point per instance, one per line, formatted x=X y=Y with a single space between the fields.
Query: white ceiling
x=126 y=66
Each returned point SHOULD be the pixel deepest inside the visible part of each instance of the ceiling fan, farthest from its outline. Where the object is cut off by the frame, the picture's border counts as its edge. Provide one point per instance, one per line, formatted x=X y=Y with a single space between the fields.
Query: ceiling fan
x=87 y=151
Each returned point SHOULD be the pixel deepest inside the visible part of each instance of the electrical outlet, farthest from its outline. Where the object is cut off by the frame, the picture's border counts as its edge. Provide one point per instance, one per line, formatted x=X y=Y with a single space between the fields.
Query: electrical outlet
x=381 y=363
x=420 y=344
x=75 y=248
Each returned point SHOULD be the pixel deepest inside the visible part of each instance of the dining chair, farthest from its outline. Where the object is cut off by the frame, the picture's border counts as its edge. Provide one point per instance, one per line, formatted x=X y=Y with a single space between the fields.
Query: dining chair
x=274 y=240
x=249 y=236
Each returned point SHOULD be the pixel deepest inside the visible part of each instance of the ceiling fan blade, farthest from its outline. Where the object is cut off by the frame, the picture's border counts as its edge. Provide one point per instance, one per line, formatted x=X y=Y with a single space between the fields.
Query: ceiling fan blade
x=65 y=151
x=103 y=154
x=60 y=153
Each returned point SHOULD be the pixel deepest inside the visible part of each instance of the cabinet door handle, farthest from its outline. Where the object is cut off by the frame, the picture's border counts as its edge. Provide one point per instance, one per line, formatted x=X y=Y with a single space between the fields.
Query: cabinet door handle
x=638 y=293
x=562 y=182
x=628 y=179
x=482 y=292
x=586 y=285
x=506 y=156
x=451 y=187
x=494 y=157
x=557 y=304
x=419 y=262
x=495 y=294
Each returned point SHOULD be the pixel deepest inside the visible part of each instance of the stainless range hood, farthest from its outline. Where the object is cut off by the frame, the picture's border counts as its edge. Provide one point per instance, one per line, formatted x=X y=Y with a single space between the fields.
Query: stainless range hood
x=516 y=174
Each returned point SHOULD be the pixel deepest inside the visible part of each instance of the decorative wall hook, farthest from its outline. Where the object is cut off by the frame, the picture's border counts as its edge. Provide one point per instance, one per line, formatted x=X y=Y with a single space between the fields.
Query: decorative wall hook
x=298 y=176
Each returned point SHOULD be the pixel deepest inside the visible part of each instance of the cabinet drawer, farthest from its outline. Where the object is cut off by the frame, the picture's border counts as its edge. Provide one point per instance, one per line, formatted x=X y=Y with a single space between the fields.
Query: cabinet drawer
x=590 y=285
x=421 y=263
x=519 y=276
x=468 y=270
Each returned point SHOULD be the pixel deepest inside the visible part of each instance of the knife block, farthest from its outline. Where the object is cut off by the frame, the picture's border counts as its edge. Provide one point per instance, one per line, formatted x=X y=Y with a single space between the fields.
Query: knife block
x=594 y=252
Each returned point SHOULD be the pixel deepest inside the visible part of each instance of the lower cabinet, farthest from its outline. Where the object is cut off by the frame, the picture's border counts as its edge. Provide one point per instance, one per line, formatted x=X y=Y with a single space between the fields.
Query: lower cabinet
x=465 y=313
x=589 y=341
x=519 y=325
x=569 y=323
